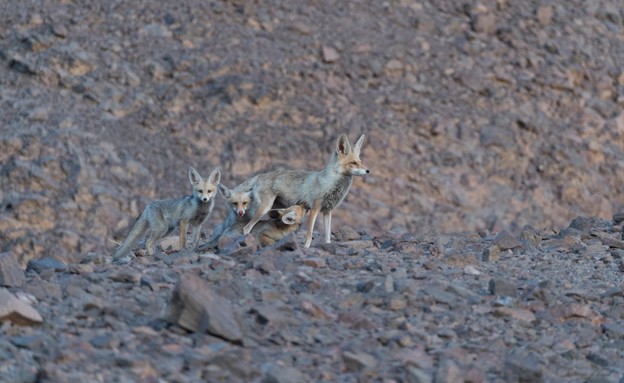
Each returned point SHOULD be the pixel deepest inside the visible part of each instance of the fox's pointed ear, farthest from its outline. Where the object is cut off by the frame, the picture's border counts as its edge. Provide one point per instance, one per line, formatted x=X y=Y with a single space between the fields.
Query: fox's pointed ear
x=215 y=176
x=289 y=218
x=358 y=145
x=194 y=177
x=225 y=192
x=343 y=147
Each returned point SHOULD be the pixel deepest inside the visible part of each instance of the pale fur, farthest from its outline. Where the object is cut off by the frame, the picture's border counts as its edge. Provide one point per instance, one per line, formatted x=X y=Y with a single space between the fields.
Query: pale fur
x=281 y=223
x=161 y=217
x=320 y=191
x=238 y=203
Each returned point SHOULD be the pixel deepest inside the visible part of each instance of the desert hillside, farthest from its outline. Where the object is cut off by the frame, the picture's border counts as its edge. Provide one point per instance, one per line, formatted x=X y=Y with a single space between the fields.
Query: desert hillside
x=479 y=115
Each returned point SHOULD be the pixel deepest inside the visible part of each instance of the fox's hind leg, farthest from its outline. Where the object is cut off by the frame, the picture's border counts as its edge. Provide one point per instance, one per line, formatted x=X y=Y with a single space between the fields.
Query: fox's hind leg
x=155 y=234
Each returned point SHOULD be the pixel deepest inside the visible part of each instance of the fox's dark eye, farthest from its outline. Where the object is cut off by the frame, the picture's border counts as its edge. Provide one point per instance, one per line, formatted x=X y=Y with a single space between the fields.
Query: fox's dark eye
x=200 y=191
x=235 y=203
x=354 y=163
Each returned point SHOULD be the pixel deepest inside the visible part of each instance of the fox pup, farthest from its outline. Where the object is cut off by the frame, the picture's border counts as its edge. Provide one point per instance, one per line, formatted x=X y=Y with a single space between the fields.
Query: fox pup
x=160 y=218
x=320 y=191
x=238 y=203
x=281 y=223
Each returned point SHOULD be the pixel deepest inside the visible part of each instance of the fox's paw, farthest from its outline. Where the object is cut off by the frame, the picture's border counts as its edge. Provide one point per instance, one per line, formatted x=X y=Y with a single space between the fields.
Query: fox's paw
x=246 y=230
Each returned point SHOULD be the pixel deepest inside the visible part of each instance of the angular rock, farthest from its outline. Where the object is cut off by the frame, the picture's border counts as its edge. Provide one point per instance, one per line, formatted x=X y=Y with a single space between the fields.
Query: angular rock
x=46 y=263
x=316 y=262
x=346 y=233
x=11 y=274
x=618 y=218
x=448 y=372
x=286 y=374
x=358 y=361
x=491 y=254
x=522 y=366
x=522 y=315
x=17 y=311
x=330 y=54
x=505 y=241
x=196 y=307
x=502 y=287
x=614 y=330
x=484 y=22
x=544 y=14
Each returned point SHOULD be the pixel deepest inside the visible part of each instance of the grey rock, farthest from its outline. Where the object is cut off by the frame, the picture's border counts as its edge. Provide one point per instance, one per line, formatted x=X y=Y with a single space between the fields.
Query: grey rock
x=522 y=366
x=17 y=311
x=11 y=274
x=358 y=361
x=505 y=241
x=502 y=287
x=286 y=374
x=196 y=307
x=491 y=254
x=46 y=263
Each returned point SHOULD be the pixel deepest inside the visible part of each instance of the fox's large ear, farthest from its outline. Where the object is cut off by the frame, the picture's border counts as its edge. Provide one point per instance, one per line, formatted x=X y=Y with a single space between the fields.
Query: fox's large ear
x=289 y=218
x=194 y=177
x=215 y=176
x=343 y=147
x=358 y=145
x=225 y=192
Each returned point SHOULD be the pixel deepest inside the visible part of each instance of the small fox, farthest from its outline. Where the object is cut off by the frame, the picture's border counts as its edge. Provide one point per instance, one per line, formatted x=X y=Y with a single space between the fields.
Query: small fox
x=238 y=202
x=320 y=191
x=160 y=218
x=281 y=223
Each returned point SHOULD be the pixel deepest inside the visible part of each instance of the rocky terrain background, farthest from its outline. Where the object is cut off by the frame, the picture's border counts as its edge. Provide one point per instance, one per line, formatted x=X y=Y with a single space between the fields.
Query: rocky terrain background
x=493 y=128
x=480 y=115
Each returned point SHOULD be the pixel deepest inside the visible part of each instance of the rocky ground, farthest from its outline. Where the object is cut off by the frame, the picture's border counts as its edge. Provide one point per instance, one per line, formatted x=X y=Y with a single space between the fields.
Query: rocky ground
x=544 y=306
x=499 y=118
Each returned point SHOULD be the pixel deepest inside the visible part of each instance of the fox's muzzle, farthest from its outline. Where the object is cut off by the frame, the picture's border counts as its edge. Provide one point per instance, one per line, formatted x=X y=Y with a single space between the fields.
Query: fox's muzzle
x=241 y=213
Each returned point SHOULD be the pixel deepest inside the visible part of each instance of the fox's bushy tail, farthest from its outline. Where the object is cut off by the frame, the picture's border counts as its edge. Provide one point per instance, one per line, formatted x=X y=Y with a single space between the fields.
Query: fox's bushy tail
x=139 y=228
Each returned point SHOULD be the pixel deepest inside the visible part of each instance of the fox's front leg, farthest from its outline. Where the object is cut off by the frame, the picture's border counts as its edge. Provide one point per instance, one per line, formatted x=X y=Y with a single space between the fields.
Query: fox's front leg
x=183 y=229
x=265 y=206
x=311 y=221
x=327 y=222
x=195 y=239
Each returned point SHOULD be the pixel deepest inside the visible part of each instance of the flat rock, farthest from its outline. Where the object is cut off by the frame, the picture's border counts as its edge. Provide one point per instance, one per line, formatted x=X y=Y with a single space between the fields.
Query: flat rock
x=506 y=241
x=11 y=274
x=285 y=374
x=46 y=263
x=196 y=307
x=16 y=310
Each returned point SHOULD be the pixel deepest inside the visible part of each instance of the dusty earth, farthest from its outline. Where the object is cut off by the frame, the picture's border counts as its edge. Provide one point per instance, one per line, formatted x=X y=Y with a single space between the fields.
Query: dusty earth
x=482 y=117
